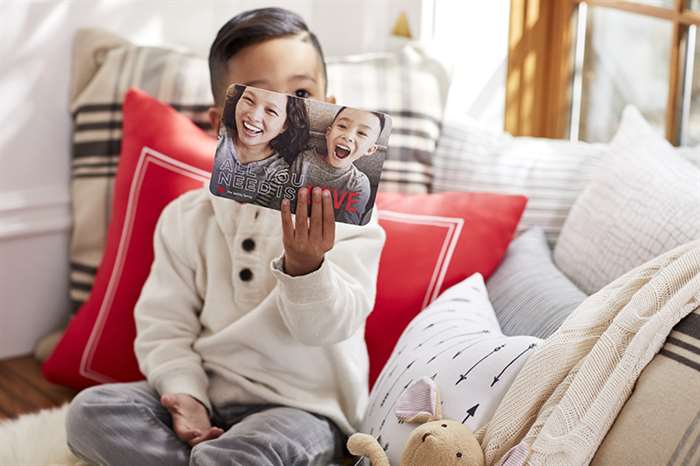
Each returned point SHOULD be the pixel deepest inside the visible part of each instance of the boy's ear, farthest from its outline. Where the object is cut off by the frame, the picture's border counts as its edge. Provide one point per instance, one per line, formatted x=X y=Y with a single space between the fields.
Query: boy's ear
x=214 y=118
x=330 y=99
x=372 y=149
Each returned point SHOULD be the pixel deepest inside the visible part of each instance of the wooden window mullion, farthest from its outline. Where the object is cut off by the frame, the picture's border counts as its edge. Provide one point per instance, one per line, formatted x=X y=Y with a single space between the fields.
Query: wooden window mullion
x=516 y=54
x=672 y=120
x=539 y=68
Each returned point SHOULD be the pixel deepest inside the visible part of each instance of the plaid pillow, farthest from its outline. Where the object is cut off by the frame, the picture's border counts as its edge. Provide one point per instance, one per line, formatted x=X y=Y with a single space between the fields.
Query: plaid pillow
x=405 y=84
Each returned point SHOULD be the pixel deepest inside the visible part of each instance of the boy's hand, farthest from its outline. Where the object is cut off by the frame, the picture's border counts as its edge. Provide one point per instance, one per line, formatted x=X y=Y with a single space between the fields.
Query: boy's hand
x=305 y=240
x=190 y=419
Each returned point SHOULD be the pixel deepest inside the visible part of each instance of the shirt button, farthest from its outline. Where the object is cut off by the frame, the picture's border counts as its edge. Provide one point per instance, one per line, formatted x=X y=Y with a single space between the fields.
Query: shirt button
x=246 y=274
x=248 y=244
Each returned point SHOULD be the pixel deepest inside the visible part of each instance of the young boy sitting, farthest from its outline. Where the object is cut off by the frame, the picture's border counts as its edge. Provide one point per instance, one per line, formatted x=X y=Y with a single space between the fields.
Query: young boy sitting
x=250 y=326
x=352 y=134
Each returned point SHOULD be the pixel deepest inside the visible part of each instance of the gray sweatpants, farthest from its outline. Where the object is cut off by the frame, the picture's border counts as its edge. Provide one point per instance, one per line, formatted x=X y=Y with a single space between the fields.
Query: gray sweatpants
x=125 y=424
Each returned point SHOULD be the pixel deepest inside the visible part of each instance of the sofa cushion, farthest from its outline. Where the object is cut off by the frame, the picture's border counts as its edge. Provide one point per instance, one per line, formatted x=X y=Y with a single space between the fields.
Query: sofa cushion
x=529 y=294
x=457 y=342
x=642 y=201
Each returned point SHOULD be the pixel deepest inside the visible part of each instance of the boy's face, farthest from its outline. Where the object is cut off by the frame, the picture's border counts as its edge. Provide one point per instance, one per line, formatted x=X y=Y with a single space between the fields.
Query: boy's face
x=352 y=135
x=289 y=65
x=260 y=117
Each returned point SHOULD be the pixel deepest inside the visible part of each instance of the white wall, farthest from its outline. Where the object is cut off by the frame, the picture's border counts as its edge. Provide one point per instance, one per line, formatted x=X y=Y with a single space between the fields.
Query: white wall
x=472 y=36
x=35 y=123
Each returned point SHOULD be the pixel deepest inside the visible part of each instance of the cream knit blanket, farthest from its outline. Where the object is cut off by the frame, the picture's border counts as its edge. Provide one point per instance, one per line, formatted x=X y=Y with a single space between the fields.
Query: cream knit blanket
x=571 y=389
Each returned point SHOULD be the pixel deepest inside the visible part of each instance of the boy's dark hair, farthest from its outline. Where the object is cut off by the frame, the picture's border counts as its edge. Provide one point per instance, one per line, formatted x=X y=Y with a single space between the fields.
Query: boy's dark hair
x=379 y=115
x=253 y=27
x=292 y=140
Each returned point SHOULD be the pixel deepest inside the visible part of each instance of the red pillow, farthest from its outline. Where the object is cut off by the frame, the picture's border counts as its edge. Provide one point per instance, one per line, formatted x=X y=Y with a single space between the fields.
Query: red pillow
x=163 y=155
x=433 y=241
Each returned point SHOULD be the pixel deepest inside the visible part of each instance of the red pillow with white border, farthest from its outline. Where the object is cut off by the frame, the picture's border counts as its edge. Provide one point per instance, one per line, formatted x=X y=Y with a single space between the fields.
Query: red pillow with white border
x=433 y=241
x=163 y=155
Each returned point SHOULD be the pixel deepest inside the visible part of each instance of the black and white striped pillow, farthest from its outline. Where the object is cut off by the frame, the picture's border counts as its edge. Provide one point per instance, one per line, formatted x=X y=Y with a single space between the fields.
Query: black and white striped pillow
x=406 y=84
x=551 y=173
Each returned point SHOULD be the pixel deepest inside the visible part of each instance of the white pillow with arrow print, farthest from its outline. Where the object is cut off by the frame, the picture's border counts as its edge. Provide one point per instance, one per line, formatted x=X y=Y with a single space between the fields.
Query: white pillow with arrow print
x=457 y=342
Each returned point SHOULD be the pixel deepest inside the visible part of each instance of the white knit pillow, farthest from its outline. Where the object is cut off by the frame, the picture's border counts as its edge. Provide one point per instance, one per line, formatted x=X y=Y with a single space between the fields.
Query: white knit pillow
x=457 y=342
x=642 y=201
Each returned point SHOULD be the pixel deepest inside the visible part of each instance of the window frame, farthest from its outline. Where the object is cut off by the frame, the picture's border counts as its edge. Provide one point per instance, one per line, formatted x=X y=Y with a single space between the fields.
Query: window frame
x=542 y=64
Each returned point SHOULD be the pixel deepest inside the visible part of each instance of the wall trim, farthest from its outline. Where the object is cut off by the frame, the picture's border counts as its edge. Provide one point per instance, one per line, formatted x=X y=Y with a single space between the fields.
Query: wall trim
x=34 y=211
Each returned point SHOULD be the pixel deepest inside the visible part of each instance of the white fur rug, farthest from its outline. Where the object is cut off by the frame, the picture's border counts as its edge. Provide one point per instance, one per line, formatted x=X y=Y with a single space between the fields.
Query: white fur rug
x=37 y=439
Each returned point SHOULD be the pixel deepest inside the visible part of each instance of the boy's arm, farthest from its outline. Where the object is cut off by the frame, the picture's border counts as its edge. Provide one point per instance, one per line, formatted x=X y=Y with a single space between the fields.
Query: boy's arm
x=330 y=304
x=166 y=315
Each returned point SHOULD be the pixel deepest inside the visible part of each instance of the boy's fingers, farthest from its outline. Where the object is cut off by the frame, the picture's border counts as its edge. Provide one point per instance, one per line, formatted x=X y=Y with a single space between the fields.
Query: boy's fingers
x=287 y=225
x=328 y=219
x=316 y=227
x=301 y=225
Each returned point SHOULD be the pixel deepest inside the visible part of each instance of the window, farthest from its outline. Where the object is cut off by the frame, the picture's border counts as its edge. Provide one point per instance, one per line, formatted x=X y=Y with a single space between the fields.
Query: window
x=591 y=58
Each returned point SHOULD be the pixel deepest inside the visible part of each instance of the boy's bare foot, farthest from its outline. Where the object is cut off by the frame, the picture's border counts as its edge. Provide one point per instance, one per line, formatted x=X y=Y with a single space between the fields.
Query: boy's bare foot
x=190 y=419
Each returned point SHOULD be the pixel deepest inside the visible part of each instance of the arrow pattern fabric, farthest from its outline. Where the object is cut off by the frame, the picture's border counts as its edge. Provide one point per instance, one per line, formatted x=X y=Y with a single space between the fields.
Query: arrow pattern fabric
x=458 y=343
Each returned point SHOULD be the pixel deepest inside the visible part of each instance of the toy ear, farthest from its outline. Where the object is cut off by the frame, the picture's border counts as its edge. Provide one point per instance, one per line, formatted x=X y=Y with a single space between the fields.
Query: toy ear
x=420 y=402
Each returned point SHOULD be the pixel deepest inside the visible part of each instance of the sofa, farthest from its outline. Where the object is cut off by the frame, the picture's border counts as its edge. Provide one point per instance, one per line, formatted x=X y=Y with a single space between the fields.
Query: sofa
x=545 y=224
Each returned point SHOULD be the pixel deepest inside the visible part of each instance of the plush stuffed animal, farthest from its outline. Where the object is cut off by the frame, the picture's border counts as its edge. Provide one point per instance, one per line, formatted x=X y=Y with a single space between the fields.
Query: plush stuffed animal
x=437 y=442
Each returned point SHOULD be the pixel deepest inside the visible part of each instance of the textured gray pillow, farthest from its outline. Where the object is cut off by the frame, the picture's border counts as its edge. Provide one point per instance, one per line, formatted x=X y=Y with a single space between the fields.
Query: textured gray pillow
x=529 y=294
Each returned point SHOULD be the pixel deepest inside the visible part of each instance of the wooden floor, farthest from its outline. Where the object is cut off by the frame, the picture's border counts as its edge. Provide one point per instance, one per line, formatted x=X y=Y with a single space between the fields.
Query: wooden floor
x=24 y=390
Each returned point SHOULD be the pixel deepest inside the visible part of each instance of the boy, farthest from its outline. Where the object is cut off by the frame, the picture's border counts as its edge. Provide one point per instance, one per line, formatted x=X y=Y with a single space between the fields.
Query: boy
x=249 y=328
x=352 y=134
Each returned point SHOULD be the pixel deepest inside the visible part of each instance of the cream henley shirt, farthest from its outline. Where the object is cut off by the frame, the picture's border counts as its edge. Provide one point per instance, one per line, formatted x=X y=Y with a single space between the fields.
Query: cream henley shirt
x=218 y=318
